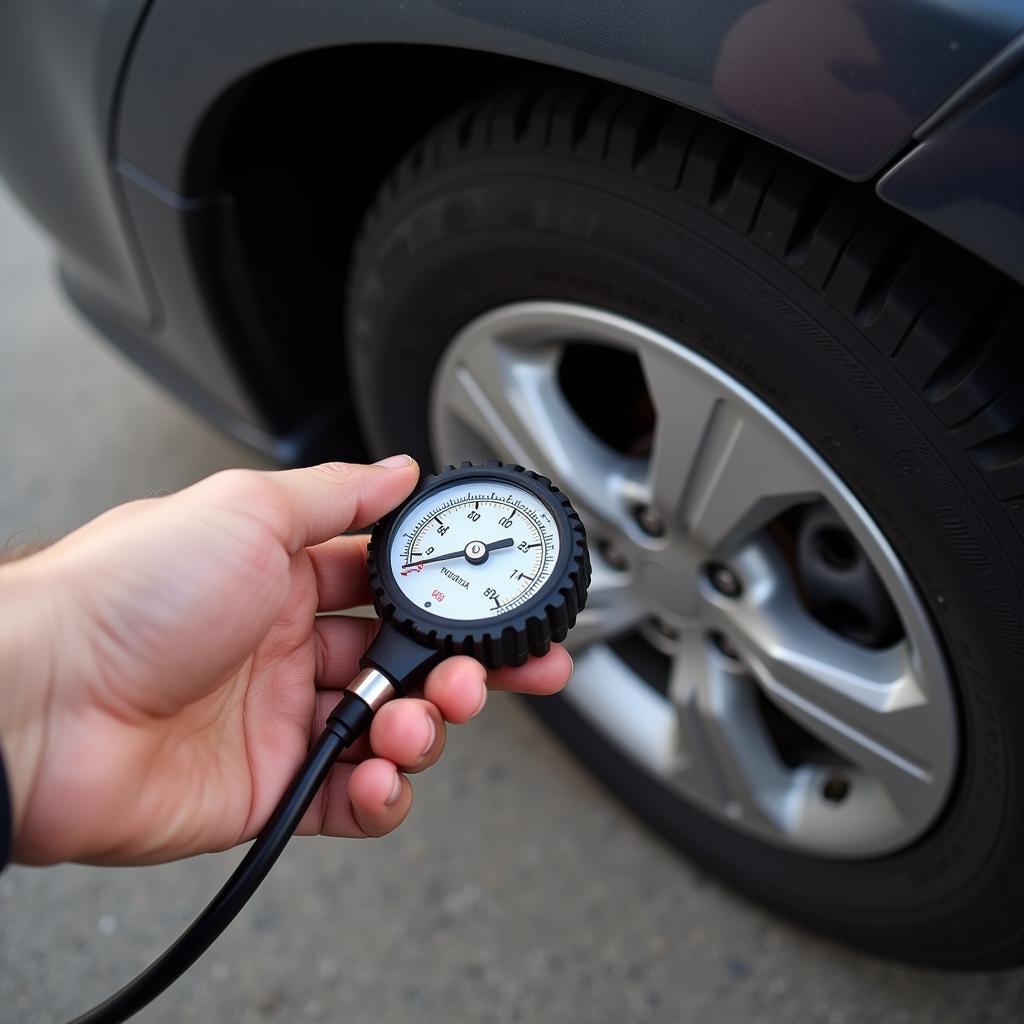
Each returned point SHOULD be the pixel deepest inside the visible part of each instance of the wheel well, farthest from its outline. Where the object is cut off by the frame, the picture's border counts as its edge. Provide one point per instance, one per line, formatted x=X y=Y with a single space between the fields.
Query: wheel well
x=297 y=152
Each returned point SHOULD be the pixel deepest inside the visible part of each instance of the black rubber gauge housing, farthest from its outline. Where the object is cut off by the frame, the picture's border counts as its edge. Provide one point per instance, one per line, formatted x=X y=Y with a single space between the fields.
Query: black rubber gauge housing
x=528 y=628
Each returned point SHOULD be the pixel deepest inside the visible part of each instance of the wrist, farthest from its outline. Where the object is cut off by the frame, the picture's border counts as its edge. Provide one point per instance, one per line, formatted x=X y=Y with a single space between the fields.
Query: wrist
x=26 y=671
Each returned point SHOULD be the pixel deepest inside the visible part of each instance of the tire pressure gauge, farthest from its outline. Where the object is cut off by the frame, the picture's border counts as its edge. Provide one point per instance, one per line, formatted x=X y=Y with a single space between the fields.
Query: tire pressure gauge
x=489 y=561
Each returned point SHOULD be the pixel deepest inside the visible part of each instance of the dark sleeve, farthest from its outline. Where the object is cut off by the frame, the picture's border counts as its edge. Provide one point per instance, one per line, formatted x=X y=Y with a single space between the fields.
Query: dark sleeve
x=6 y=818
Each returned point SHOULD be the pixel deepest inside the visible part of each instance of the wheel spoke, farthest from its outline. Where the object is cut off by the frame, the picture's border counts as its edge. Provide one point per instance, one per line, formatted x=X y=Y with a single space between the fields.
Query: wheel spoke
x=715 y=472
x=466 y=399
x=725 y=756
x=506 y=391
x=867 y=705
x=605 y=689
x=613 y=608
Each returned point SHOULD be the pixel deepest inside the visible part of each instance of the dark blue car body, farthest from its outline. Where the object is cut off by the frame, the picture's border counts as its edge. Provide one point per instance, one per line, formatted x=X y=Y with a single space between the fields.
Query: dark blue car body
x=130 y=129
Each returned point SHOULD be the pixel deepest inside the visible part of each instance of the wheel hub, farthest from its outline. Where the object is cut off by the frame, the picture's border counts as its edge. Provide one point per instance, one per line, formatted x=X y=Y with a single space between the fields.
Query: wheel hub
x=807 y=699
x=671 y=590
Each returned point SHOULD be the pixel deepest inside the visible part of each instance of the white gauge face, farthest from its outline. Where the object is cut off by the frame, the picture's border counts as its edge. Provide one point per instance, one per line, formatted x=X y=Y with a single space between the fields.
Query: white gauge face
x=474 y=550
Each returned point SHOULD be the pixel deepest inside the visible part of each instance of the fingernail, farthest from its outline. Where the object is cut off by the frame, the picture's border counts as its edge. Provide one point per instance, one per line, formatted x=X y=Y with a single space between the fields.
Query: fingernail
x=433 y=736
x=396 y=791
x=572 y=668
x=395 y=461
x=483 y=701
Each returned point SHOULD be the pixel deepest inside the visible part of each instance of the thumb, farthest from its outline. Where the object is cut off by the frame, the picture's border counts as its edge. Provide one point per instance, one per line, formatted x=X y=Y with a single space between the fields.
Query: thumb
x=326 y=500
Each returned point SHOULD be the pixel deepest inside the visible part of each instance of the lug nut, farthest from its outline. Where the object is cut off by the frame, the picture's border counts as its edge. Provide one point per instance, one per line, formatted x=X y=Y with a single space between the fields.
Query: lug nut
x=724 y=580
x=724 y=646
x=666 y=629
x=835 y=789
x=612 y=555
x=649 y=521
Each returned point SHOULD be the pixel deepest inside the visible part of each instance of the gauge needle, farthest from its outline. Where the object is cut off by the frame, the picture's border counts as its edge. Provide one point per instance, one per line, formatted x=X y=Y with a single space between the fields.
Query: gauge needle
x=474 y=551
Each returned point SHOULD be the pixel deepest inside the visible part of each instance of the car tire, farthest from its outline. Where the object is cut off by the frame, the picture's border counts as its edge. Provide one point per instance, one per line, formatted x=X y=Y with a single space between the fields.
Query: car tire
x=890 y=353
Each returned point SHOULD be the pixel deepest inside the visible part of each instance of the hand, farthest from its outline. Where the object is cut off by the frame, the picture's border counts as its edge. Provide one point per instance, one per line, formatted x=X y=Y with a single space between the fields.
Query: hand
x=165 y=670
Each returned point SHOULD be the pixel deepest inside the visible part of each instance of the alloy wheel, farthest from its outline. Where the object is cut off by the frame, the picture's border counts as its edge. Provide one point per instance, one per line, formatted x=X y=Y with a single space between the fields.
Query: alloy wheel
x=752 y=640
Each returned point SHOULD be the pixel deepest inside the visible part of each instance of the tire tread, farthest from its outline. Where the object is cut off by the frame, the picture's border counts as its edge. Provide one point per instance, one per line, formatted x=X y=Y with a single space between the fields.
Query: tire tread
x=950 y=324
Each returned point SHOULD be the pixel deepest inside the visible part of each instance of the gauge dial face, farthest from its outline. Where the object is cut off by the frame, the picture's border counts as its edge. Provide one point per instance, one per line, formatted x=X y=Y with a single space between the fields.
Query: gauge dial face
x=474 y=550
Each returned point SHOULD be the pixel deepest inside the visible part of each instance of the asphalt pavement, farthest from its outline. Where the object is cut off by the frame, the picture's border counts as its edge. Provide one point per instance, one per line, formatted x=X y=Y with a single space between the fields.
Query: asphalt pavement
x=517 y=891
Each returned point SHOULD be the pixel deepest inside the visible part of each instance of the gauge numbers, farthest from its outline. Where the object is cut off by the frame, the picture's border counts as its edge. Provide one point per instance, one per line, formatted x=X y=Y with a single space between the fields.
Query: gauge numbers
x=474 y=550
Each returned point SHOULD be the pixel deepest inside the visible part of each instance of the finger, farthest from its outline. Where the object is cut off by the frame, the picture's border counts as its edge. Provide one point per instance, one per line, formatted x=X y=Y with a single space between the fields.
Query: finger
x=379 y=798
x=458 y=688
x=341 y=640
x=368 y=799
x=327 y=500
x=538 y=676
x=409 y=731
x=457 y=685
x=340 y=567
